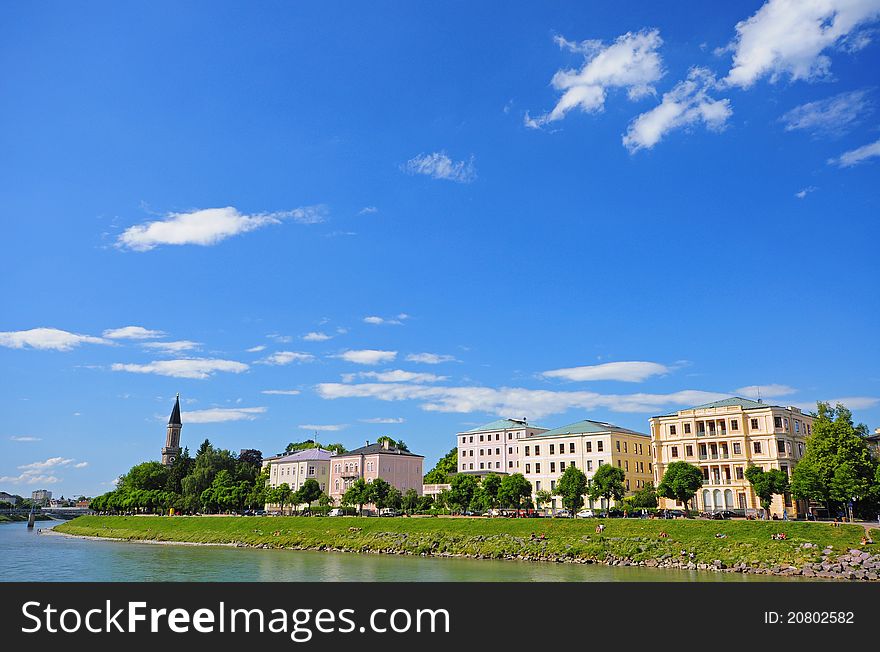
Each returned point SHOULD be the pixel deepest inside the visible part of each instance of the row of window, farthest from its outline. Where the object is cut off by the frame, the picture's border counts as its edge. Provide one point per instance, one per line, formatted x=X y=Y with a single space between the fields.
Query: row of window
x=782 y=447
x=286 y=470
x=488 y=437
x=703 y=427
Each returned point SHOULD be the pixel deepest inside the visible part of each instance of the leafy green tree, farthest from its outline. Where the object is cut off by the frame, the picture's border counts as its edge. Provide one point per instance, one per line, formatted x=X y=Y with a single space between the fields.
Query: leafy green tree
x=280 y=495
x=766 y=484
x=542 y=498
x=645 y=498
x=571 y=487
x=410 y=502
x=148 y=475
x=491 y=485
x=357 y=494
x=837 y=465
x=515 y=490
x=309 y=492
x=461 y=492
x=425 y=503
x=479 y=501
x=446 y=465
x=681 y=481
x=294 y=447
x=378 y=493
x=394 y=443
x=607 y=483
x=394 y=499
x=180 y=468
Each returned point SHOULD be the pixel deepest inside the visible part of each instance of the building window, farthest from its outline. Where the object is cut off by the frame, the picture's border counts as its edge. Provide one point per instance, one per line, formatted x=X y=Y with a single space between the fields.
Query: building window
x=482 y=465
x=671 y=430
x=510 y=464
x=797 y=426
x=497 y=465
x=739 y=473
x=552 y=485
x=481 y=437
x=757 y=447
x=734 y=424
x=780 y=446
x=687 y=428
x=471 y=439
x=498 y=451
x=737 y=449
x=618 y=464
x=589 y=445
x=571 y=447
x=618 y=445
x=509 y=436
x=552 y=467
x=625 y=449
x=537 y=485
x=689 y=451
x=528 y=468
x=481 y=452
x=754 y=425
x=626 y=465
x=472 y=467
x=599 y=446
x=674 y=451
x=510 y=450
x=562 y=467
x=537 y=468
x=537 y=450
x=497 y=436
x=589 y=465
x=527 y=451
x=601 y=462
x=552 y=448
x=777 y=422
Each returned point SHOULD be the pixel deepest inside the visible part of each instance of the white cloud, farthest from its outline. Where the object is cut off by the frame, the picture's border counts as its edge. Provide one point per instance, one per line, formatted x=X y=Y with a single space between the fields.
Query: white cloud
x=257 y=349
x=80 y=465
x=368 y=210
x=34 y=473
x=430 y=358
x=393 y=321
x=803 y=192
x=368 y=356
x=281 y=392
x=286 y=357
x=438 y=165
x=50 y=463
x=629 y=372
x=209 y=226
x=686 y=104
x=185 y=368
x=25 y=438
x=178 y=346
x=856 y=156
x=383 y=420
x=280 y=338
x=832 y=116
x=132 y=333
x=331 y=427
x=28 y=478
x=401 y=376
x=513 y=400
x=316 y=336
x=46 y=339
x=631 y=62
x=220 y=415
x=851 y=402
x=788 y=37
x=765 y=391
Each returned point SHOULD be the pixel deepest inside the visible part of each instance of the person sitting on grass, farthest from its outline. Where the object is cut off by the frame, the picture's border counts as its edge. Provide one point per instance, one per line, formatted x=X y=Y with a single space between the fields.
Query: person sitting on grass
x=664 y=535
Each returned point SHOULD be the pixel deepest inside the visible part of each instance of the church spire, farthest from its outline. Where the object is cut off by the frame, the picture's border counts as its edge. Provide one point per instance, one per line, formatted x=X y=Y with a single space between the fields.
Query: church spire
x=175 y=413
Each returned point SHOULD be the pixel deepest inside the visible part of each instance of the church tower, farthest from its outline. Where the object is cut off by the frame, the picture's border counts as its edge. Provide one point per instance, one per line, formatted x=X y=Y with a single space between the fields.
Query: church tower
x=172 y=436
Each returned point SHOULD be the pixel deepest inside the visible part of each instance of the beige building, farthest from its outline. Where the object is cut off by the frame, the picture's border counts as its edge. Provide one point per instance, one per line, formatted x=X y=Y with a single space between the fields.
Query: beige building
x=296 y=468
x=494 y=446
x=722 y=438
x=397 y=467
x=587 y=445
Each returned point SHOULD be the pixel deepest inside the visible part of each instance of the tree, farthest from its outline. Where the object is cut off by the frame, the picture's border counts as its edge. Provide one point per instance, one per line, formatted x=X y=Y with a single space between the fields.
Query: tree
x=491 y=485
x=357 y=494
x=681 y=482
x=646 y=497
x=514 y=490
x=410 y=502
x=293 y=447
x=377 y=493
x=571 y=487
x=394 y=499
x=446 y=465
x=461 y=492
x=394 y=443
x=147 y=476
x=309 y=492
x=837 y=466
x=607 y=483
x=542 y=498
x=280 y=495
x=766 y=484
x=251 y=456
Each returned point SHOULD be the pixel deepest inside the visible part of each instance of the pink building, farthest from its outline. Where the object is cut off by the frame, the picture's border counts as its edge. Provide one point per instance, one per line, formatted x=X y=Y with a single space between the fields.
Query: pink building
x=398 y=468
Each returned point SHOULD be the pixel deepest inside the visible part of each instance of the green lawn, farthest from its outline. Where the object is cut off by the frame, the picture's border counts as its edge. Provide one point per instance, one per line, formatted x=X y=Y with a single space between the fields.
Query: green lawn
x=746 y=542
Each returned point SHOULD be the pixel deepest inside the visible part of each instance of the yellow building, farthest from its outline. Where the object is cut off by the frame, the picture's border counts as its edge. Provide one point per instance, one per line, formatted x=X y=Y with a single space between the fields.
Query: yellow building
x=587 y=445
x=723 y=438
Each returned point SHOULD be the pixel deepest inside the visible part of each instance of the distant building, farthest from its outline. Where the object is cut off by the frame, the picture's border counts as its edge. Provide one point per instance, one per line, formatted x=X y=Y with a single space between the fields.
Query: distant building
x=83 y=503
x=494 y=446
x=874 y=442
x=41 y=496
x=397 y=467
x=296 y=468
x=8 y=498
x=723 y=438
x=171 y=450
x=434 y=490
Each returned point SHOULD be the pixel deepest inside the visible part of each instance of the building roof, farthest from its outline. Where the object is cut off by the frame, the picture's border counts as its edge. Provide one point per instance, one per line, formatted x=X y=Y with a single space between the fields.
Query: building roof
x=372 y=449
x=588 y=427
x=733 y=401
x=305 y=455
x=504 y=424
x=175 y=413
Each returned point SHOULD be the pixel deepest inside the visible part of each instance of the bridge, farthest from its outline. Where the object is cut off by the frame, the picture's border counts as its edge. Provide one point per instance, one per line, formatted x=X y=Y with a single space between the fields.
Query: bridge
x=61 y=513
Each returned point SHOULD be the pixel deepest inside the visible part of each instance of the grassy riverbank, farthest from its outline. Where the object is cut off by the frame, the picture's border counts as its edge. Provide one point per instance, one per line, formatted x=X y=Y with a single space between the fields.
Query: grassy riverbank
x=745 y=543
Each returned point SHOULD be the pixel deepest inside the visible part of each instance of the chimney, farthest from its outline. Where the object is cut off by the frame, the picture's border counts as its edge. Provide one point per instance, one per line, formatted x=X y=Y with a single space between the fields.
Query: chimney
x=385 y=444
x=367 y=442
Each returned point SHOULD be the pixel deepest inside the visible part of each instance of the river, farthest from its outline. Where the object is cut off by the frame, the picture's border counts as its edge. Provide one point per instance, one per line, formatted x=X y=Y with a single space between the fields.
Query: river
x=28 y=555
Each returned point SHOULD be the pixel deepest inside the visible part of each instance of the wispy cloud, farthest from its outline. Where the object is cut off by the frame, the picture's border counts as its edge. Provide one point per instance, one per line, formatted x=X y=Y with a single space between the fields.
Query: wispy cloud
x=687 y=104
x=851 y=402
x=386 y=321
x=629 y=372
x=286 y=357
x=198 y=368
x=132 y=333
x=386 y=420
x=790 y=38
x=281 y=392
x=220 y=415
x=803 y=192
x=257 y=349
x=35 y=472
x=829 y=117
x=209 y=226
x=430 y=358
x=316 y=336
x=178 y=346
x=632 y=63
x=765 y=391
x=367 y=356
x=856 y=156
x=368 y=210
x=24 y=438
x=47 y=339
x=513 y=400
x=330 y=427
x=401 y=376
x=438 y=165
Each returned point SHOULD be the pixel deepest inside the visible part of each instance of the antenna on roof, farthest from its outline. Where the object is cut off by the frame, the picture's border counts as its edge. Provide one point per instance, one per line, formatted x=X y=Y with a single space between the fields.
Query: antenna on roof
x=759 y=394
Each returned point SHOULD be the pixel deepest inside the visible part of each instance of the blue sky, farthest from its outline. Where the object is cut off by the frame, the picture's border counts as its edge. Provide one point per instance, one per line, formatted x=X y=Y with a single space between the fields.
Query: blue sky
x=409 y=219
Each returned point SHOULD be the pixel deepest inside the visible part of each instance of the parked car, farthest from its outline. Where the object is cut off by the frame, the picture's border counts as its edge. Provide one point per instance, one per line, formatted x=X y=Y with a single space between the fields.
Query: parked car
x=614 y=513
x=336 y=511
x=562 y=513
x=585 y=513
x=388 y=511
